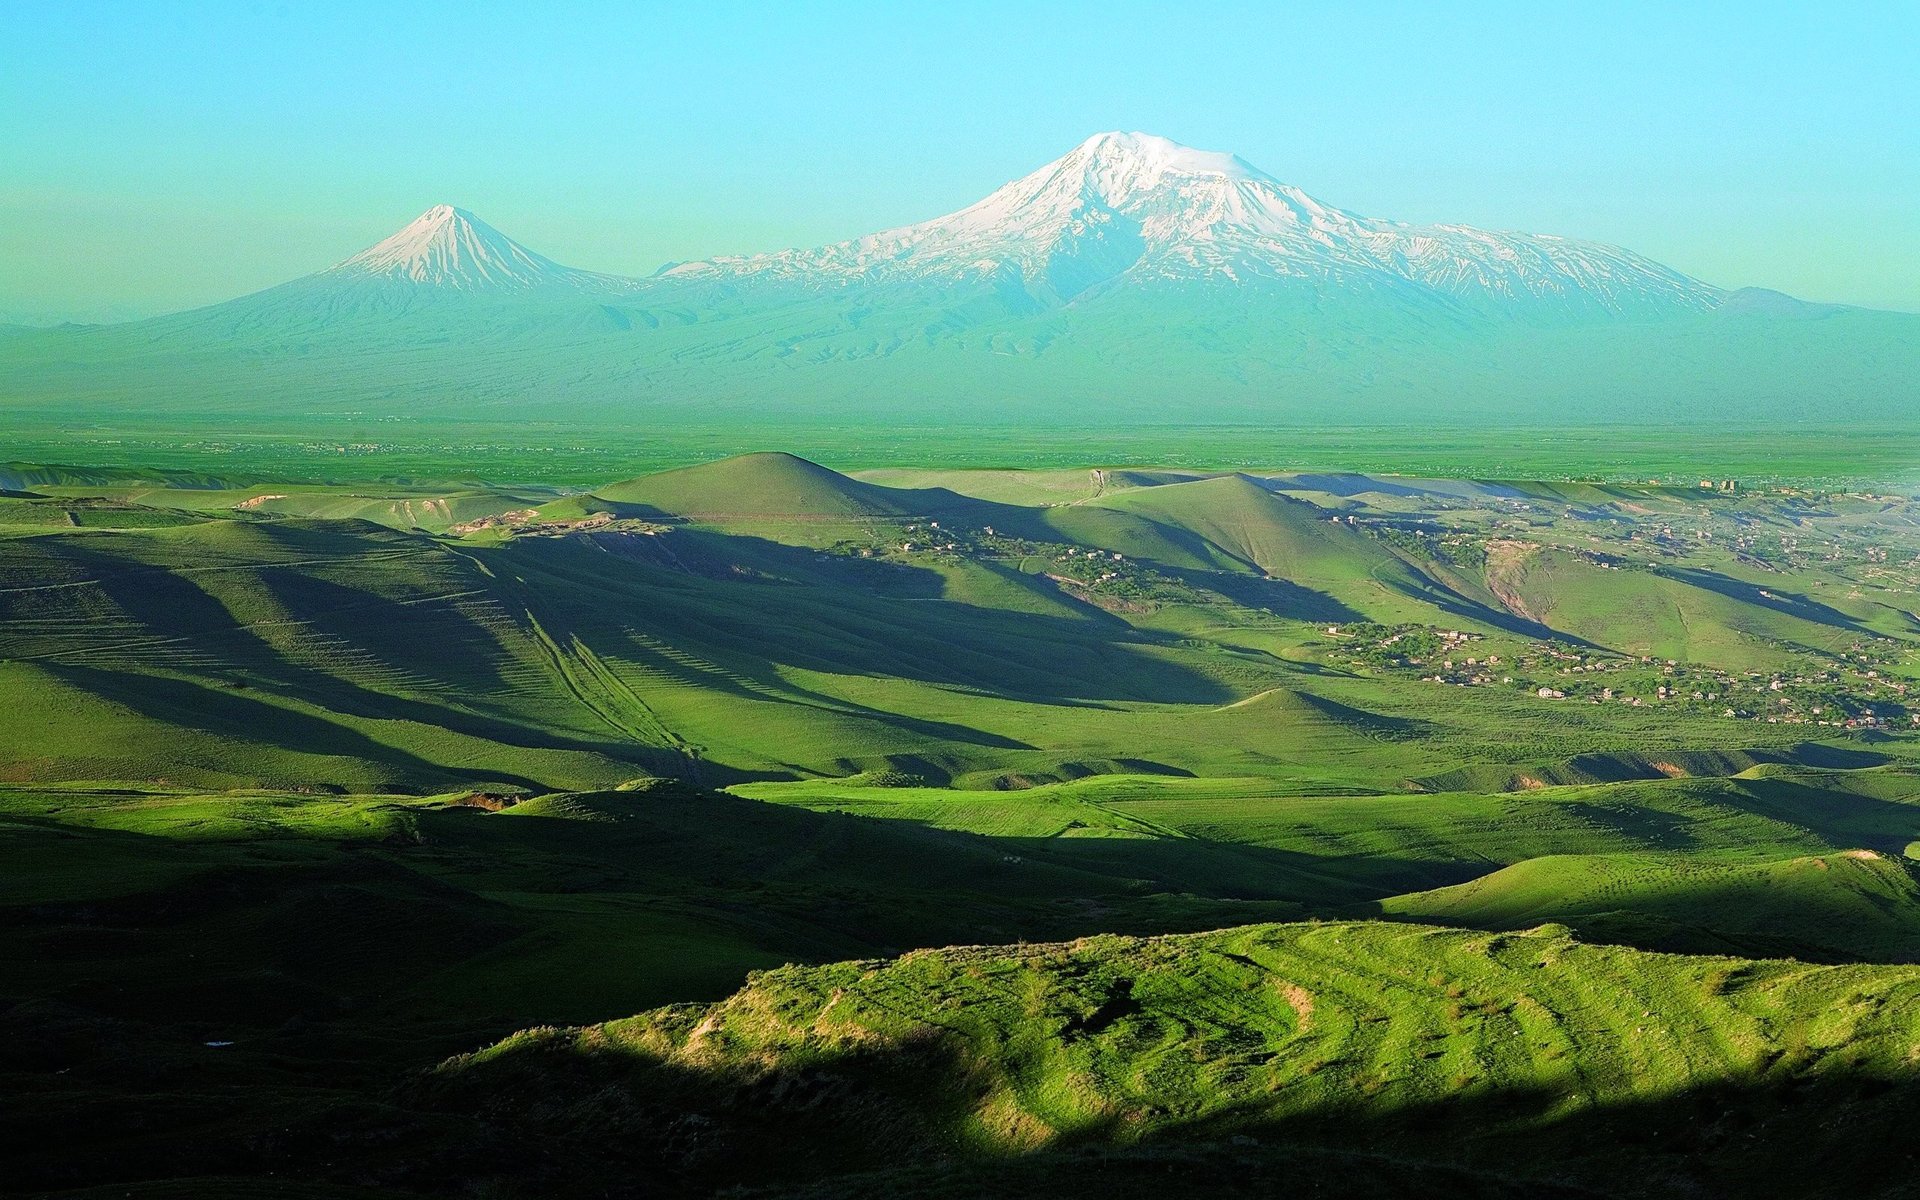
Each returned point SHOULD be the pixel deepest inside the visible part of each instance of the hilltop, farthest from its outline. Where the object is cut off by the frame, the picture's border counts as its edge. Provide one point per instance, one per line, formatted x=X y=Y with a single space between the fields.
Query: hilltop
x=1254 y=527
x=1855 y=903
x=775 y=485
x=1519 y=1064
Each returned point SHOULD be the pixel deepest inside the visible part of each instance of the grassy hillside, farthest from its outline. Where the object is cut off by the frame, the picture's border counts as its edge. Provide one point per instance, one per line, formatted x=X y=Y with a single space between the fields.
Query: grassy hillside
x=775 y=485
x=1514 y=1064
x=307 y=787
x=1698 y=617
x=1854 y=904
x=827 y=626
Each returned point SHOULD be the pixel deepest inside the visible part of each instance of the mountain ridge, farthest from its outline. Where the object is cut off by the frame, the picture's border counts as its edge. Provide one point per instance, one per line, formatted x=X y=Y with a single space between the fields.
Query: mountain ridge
x=1136 y=205
x=1131 y=279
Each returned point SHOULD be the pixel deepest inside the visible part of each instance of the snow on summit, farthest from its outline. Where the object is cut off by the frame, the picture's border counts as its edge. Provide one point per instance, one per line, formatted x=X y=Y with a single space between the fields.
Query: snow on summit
x=451 y=248
x=1130 y=275
x=1121 y=214
x=1130 y=209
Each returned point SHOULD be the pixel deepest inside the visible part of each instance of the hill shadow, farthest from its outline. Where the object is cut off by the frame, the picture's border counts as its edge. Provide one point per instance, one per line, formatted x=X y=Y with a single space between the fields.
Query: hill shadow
x=873 y=1121
x=849 y=1117
x=825 y=626
x=1774 y=599
x=235 y=717
x=172 y=608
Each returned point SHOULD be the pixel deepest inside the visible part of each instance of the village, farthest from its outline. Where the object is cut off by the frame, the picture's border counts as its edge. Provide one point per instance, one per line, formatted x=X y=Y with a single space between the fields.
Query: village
x=1851 y=689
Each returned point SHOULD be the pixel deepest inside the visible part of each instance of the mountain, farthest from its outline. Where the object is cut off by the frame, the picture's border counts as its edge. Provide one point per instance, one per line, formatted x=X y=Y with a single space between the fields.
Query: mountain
x=448 y=247
x=1133 y=279
x=1131 y=209
x=433 y=278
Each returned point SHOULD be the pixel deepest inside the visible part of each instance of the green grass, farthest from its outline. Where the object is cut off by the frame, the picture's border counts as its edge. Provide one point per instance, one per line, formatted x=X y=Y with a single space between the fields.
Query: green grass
x=780 y=486
x=1504 y=1055
x=726 y=650
x=518 y=449
x=299 y=767
x=1853 y=904
x=1666 y=616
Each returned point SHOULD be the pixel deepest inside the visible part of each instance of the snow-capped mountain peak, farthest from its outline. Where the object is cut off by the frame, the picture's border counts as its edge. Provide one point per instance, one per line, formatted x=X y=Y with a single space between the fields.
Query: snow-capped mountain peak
x=449 y=247
x=1123 y=162
x=1135 y=210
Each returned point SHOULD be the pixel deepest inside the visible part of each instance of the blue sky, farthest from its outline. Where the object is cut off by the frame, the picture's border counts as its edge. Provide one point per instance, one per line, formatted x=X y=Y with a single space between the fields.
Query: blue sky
x=155 y=156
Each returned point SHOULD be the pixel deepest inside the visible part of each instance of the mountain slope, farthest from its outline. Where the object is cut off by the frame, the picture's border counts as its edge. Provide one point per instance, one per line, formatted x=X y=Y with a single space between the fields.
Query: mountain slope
x=449 y=247
x=1131 y=280
x=445 y=277
x=1134 y=209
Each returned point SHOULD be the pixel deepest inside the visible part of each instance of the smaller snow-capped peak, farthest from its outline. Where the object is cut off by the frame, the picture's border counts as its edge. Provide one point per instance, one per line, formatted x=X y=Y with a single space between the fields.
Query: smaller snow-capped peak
x=451 y=248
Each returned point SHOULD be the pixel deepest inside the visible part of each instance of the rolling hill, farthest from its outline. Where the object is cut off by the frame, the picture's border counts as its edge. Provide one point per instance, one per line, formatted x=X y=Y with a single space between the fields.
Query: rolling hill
x=766 y=617
x=1465 y=1064
x=776 y=485
x=909 y=797
x=1829 y=907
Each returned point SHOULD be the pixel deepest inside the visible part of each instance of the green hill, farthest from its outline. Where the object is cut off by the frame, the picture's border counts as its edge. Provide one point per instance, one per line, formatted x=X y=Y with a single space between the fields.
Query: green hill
x=1620 y=766
x=1233 y=523
x=1676 y=613
x=22 y=476
x=1463 y=1063
x=767 y=485
x=308 y=787
x=1846 y=905
x=1256 y=528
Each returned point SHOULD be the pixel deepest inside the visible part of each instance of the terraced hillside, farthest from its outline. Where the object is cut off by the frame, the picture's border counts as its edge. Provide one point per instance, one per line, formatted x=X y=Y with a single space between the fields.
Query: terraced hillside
x=1512 y=1064
x=309 y=793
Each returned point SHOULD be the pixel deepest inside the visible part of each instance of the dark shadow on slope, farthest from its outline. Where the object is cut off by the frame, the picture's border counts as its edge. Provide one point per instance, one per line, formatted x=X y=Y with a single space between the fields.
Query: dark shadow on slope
x=1278 y=597
x=1834 y=907
x=1667 y=933
x=1835 y=815
x=1838 y=814
x=1348 y=484
x=436 y=649
x=1621 y=766
x=841 y=630
x=234 y=717
x=1423 y=586
x=249 y=1018
x=117 y=1065
x=874 y=1122
x=1791 y=604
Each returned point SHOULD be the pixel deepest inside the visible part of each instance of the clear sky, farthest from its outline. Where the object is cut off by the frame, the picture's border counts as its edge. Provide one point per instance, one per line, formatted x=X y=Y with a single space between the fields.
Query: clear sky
x=160 y=155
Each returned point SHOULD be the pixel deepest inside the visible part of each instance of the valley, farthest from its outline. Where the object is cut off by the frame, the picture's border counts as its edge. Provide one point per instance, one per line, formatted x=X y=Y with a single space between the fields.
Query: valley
x=1256 y=808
